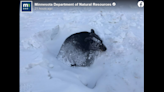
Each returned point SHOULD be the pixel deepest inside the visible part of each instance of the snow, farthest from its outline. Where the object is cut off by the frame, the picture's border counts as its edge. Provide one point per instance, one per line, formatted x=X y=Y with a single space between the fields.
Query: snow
x=119 y=69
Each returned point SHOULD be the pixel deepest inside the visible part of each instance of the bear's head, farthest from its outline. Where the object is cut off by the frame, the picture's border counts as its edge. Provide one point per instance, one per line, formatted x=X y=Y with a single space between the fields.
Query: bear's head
x=95 y=42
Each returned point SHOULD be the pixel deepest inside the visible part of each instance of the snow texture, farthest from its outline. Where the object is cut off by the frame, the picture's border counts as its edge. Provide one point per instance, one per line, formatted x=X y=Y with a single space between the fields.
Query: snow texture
x=119 y=69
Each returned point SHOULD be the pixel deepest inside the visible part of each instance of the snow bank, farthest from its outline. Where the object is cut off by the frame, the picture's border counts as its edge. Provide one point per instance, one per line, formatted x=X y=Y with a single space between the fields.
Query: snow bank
x=119 y=69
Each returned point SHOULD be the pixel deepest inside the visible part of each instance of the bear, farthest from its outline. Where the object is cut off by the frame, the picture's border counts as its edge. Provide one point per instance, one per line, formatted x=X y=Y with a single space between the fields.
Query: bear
x=80 y=49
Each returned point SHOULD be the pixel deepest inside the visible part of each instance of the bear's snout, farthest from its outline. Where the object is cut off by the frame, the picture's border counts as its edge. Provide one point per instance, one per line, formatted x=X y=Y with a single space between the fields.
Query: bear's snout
x=103 y=48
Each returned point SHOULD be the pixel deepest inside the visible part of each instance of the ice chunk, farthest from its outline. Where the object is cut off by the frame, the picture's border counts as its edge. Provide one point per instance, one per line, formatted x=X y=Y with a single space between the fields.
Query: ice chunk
x=122 y=35
x=54 y=32
x=130 y=34
x=51 y=65
x=30 y=43
x=107 y=32
x=117 y=39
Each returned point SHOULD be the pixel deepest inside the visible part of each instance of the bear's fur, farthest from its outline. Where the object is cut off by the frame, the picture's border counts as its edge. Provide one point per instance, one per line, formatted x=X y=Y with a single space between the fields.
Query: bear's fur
x=80 y=49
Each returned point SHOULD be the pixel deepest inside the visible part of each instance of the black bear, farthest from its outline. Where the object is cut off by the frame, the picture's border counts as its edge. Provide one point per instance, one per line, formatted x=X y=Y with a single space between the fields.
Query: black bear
x=80 y=49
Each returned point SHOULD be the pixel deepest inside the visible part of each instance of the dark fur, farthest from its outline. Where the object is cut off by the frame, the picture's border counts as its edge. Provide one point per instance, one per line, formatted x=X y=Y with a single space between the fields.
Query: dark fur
x=85 y=42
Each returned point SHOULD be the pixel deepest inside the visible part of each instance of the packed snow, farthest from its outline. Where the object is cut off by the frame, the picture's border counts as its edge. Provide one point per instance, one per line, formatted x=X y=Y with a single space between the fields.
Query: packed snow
x=119 y=69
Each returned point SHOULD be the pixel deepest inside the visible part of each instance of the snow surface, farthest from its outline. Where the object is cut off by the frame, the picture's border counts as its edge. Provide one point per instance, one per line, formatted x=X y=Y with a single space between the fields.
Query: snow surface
x=119 y=69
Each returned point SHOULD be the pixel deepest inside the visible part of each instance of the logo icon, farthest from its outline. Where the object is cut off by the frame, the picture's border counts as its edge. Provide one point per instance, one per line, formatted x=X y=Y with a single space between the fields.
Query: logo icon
x=140 y=4
x=26 y=6
x=114 y=4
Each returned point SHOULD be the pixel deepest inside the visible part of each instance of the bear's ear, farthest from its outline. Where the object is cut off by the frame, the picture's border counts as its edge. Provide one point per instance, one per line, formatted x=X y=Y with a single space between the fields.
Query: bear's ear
x=92 y=31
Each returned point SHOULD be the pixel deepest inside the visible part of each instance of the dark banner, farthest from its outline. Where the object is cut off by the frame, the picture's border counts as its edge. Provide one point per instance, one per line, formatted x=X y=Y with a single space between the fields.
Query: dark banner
x=50 y=5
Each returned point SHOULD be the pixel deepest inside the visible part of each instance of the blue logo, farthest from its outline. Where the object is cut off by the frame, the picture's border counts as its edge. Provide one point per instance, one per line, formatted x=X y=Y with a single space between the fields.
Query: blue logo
x=26 y=6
